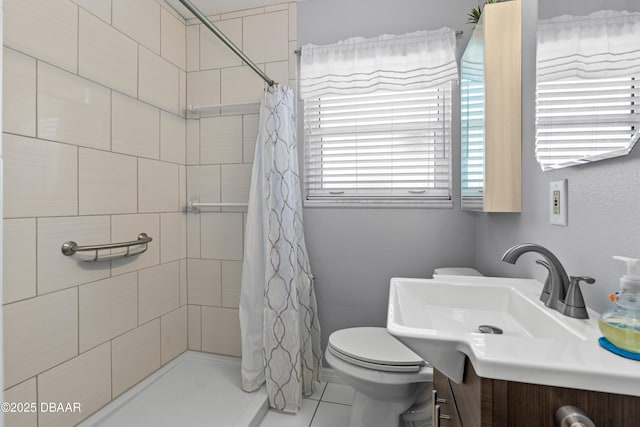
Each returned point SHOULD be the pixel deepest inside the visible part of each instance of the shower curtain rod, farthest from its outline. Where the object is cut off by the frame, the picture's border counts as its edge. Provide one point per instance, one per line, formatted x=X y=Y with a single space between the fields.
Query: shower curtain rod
x=207 y=23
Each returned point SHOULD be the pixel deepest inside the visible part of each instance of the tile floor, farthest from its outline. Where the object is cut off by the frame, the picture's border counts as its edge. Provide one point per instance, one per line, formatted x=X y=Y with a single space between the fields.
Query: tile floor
x=329 y=406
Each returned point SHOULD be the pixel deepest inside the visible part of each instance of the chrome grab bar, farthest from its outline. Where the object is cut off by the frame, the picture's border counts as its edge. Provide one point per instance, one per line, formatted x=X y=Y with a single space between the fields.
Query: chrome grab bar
x=71 y=248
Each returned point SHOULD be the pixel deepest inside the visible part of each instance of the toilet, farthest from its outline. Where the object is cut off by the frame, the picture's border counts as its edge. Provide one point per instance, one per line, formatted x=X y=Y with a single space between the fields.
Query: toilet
x=388 y=378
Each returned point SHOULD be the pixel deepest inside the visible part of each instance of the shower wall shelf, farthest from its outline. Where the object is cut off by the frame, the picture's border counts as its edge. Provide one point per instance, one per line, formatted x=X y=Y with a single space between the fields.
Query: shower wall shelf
x=209 y=107
x=134 y=247
x=196 y=108
x=196 y=205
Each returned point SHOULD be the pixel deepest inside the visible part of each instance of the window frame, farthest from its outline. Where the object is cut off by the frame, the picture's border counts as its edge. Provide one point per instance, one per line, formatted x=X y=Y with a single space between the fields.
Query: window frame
x=312 y=196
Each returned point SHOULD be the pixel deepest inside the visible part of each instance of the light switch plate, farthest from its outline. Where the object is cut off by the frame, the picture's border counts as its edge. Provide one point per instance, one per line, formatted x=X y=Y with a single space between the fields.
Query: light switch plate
x=558 y=205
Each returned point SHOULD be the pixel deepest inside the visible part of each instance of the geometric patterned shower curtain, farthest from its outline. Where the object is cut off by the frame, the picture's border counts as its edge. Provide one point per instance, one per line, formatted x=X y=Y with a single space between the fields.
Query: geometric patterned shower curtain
x=278 y=311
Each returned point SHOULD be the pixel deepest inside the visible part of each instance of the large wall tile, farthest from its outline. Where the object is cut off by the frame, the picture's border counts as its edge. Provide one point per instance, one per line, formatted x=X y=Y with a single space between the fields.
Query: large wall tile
x=278 y=71
x=266 y=36
x=203 y=183
x=127 y=227
x=183 y=94
x=293 y=66
x=193 y=235
x=135 y=355
x=158 y=184
x=293 y=25
x=85 y=379
x=135 y=127
x=100 y=8
x=107 y=309
x=231 y=280
x=173 y=138
x=159 y=82
x=57 y=271
x=173 y=229
x=236 y=180
x=72 y=109
x=182 y=200
x=193 y=47
x=204 y=286
x=193 y=142
x=183 y=282
x=138 y=19
x=19 y=93
x=221 y=139
x=173 y=44
x=221 y=235
x=39 y=333
x=243 y=12
x=221 y=331
x=107 y=56
x=214 y=53
x=159 y=291
x=23 y=392
x=249 y=136
x=240 y=84
x=194 y=327
x=47 y=30
x=173 y=327
x=19 y=259
x=203 y=88
x=107 y=183
x=40 y=178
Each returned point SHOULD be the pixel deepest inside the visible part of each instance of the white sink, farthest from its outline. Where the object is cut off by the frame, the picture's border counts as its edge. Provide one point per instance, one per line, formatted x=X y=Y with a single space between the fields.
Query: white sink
x=439 y=319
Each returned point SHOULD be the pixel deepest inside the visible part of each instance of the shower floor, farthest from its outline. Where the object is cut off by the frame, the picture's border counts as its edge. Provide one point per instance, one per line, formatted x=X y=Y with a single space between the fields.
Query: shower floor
x=195 y=389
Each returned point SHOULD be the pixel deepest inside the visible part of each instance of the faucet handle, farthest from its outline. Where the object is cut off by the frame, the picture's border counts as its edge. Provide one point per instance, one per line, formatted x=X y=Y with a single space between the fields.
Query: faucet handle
x=574 y=302
x=546 y=290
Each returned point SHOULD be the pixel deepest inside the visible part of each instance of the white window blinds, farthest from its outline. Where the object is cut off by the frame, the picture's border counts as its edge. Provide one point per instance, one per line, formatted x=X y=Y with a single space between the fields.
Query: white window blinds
x=587 y=71
x=378 y=119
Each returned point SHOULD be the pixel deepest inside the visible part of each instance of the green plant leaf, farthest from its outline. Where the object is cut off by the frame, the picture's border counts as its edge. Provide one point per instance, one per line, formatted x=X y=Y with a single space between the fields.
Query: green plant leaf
x=474 y=16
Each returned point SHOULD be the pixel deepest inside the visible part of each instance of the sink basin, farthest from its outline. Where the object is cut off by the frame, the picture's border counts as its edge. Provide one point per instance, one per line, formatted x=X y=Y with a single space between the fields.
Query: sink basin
x=439 y=319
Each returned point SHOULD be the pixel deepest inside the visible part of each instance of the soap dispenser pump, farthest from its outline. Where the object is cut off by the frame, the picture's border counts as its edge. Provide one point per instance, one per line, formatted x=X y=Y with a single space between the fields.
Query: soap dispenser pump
x=621 y=325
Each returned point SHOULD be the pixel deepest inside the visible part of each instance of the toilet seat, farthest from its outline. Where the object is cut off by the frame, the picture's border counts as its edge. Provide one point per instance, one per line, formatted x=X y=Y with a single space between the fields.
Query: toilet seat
x=373 y=348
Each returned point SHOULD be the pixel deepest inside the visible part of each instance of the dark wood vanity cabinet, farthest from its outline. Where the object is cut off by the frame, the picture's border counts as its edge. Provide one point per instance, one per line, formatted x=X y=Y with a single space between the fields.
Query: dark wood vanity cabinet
x=482 y=402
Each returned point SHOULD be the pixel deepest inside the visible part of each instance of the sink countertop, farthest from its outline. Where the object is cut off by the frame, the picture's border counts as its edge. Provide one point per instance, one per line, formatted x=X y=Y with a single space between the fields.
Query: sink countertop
x=576 y=361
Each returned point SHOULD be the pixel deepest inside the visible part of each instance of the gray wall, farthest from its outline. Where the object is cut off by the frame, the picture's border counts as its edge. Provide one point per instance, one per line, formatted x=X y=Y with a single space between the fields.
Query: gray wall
x=604 y=200
x=354 y=252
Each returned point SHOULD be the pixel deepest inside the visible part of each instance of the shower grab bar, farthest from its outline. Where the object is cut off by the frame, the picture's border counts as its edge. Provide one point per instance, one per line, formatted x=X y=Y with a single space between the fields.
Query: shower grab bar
x=70 y=248
x=207 y=23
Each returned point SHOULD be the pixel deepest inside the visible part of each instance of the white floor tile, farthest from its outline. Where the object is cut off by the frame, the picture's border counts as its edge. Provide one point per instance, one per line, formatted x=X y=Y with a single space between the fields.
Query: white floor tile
x=331 y=415
x=338 y=393
x=318 y=389
x=301 y=419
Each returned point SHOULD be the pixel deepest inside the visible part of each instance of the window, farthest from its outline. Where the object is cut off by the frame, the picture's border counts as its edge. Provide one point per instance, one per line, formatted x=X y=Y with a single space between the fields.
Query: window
x=377 y=120
x=386 y=145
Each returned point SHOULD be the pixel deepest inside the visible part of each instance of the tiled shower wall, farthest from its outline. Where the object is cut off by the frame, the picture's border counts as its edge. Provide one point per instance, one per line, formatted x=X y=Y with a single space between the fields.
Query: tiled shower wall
x=95 y=152
x=220 y=147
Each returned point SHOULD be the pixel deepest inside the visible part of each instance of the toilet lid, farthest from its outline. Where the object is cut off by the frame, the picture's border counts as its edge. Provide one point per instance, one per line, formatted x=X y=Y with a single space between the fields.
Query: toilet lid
x=373 y=345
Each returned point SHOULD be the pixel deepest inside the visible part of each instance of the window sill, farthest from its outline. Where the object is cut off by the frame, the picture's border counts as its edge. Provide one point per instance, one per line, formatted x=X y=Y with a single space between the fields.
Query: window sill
x=417 y=204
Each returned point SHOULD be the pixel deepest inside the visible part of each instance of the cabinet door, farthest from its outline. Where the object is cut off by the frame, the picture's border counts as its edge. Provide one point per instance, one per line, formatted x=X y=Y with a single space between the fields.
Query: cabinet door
x=444 y=398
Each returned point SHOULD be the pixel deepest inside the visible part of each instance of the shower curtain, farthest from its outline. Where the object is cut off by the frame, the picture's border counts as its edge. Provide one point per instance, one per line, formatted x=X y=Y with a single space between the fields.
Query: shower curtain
x=278 y=314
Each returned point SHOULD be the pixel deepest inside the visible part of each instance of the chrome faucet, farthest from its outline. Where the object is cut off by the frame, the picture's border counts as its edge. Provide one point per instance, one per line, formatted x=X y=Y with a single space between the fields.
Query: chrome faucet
x=560 y=292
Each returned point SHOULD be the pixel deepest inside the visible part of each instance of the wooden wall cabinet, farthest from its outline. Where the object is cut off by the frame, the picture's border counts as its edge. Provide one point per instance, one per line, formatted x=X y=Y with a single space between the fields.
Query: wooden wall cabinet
x=482 y=402
x=491 y=107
